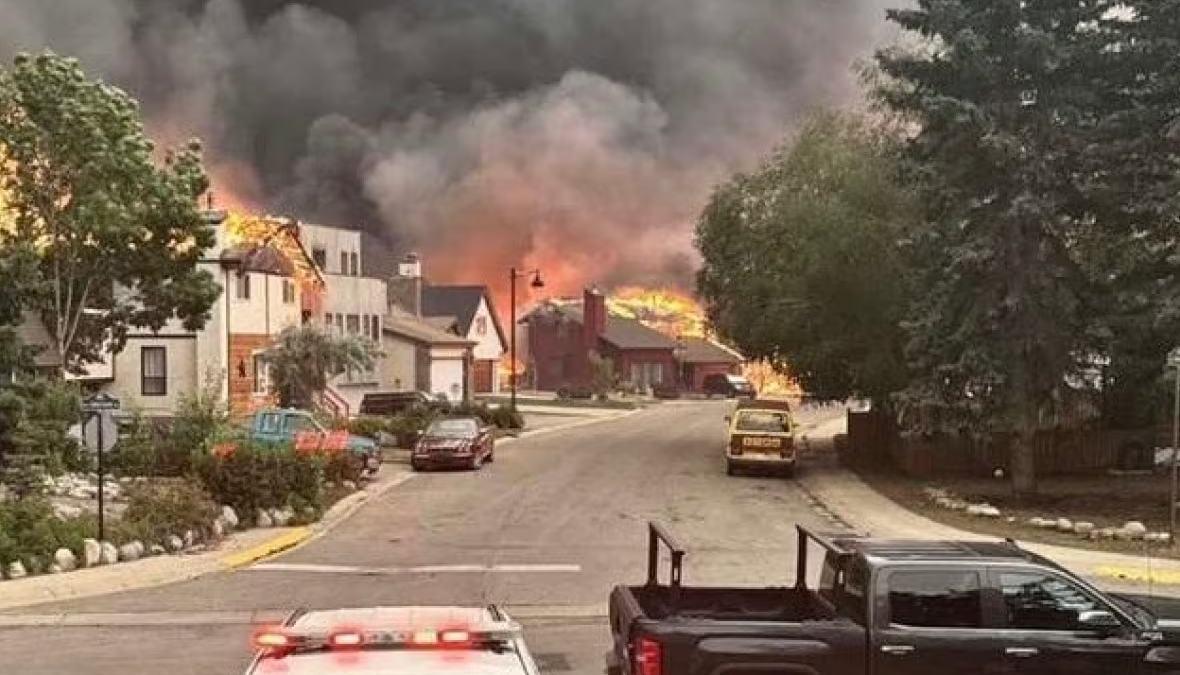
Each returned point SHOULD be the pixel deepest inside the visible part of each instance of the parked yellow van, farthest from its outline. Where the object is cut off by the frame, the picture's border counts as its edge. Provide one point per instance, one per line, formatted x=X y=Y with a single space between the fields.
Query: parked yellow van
x=761 y=436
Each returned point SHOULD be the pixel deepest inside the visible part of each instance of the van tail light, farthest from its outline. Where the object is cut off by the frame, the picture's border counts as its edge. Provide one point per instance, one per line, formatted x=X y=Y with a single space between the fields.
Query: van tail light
x=647 y=655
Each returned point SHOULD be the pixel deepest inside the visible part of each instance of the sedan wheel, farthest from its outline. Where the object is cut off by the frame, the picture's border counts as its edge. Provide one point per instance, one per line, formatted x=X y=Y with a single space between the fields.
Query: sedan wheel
x=476 y=462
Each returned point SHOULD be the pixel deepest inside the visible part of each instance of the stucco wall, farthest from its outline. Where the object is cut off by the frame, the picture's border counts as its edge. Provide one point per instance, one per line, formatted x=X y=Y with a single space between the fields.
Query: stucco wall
x=181 y=375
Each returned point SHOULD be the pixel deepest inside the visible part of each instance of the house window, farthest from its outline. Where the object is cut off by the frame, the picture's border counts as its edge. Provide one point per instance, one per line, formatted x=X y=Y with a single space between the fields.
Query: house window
x=343 y=262
x=376 y=329
x=366 y=326
x=153 y=371
x=320 y=257
x=328 y=319
x=355 y=266
x=340 y=323
x=288 y=291
x=261 y=376
x=481 y=325
x=243 y=286
x=354 y=324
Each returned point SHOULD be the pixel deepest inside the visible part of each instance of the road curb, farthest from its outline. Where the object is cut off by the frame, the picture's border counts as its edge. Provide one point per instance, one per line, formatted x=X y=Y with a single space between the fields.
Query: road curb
x=266 y=549
x=1140 y=575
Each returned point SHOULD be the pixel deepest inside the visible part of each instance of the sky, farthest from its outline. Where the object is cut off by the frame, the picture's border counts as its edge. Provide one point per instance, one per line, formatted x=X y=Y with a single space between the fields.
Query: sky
x=579 y=136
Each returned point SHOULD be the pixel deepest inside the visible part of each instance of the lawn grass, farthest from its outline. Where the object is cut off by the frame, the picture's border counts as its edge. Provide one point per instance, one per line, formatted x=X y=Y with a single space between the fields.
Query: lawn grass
x=1105 y=500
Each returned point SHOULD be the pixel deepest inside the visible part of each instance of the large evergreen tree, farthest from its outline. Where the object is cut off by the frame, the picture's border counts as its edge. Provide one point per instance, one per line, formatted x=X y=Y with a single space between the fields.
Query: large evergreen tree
x=1008 y=329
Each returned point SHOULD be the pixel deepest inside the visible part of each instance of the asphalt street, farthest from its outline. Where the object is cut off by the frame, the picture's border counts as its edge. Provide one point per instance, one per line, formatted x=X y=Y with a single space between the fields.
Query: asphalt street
x=546 y=530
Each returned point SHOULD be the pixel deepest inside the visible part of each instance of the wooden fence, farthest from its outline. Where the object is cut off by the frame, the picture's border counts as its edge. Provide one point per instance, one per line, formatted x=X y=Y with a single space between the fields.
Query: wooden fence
x=874 y=440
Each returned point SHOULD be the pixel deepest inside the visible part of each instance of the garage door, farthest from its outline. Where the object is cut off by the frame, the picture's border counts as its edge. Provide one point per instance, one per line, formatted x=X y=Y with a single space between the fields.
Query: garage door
x=484 y=371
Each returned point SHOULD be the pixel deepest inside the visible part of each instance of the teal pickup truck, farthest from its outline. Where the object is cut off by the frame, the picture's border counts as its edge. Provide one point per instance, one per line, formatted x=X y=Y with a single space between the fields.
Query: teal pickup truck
x=301 y=429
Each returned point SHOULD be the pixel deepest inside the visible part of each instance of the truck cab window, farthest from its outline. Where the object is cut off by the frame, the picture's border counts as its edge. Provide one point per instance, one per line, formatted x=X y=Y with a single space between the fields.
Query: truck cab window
x=1041 y=601
x=935 y=599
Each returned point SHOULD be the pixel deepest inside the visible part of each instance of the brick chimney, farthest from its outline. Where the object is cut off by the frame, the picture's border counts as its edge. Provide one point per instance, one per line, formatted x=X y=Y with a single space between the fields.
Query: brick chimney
x=405 y=288
x=593 y=316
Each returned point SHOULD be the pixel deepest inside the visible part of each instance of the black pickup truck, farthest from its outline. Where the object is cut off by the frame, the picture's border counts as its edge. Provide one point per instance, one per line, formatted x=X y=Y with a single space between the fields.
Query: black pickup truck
x=882 y=607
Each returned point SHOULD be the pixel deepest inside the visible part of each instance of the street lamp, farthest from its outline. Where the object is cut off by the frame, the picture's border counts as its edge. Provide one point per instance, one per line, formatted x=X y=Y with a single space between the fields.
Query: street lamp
x=513 y=275
x=1174 y=362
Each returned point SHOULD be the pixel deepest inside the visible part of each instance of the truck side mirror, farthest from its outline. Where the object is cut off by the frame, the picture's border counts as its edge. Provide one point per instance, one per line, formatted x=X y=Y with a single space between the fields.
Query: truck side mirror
x=1098 y=620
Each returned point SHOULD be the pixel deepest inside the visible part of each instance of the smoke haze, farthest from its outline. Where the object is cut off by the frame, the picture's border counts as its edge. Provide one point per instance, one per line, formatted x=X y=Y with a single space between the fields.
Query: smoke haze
x=581 y=136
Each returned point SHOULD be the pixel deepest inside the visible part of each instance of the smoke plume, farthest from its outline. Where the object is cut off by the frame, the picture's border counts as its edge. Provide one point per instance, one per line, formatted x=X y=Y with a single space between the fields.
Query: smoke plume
x=579 y=136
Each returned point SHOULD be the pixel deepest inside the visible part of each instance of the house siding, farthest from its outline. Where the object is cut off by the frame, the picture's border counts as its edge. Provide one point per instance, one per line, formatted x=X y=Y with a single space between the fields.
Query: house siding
x=399 y=368
x=489 y=348
x=181 y=375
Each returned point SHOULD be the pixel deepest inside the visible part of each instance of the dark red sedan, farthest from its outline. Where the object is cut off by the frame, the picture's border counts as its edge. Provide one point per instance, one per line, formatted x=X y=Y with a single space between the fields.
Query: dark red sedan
x=462 y=442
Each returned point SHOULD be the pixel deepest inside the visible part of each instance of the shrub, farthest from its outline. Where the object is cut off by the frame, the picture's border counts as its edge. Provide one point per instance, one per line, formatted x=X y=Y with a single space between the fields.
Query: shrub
x=505 y=417
x=250 y=476
x=30 y=533
x=343 y=466
x=577 y=392
x=369 y=427
x=163 y=508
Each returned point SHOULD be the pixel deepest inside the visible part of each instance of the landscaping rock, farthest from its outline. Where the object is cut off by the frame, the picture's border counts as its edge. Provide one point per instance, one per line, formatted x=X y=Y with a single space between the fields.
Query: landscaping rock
x=218 y=529
x=983 y=510
x=90 y=552
x=934 y=494
x=263 y=519
x=1010 y=519
x=1156 y=537
x=1083 y=528
x=1105 y=533
x=190 y=538
x=16 y=570
x=945 y=502
x=55 y=569
x=276 y=517
x=1036 y=521
x=174 y=544
x=128 y=553
x=66 y=511
x=108 y=555
x=959 y=505
x=1049 y=523
x=283 y=516
x=348 y=485
x=65 y=559
x=156 y=549
x=1064 y=525
x=1134 y=530
x=229 y=518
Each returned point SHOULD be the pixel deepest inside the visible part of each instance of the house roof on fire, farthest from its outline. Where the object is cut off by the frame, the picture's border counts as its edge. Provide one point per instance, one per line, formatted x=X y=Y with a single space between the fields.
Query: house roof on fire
x=461 y=303
x=701 y=350
x=622 y=332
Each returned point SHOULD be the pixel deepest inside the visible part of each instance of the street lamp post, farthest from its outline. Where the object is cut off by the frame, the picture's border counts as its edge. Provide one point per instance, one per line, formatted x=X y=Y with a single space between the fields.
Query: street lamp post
x=513 y=275
x=1174 y=362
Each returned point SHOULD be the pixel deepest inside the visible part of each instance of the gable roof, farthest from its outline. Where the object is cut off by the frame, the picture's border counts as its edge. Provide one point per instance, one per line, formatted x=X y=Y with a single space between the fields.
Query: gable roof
x=461 y=303
x=622 y=332
x=701 y=350
x=399 y=322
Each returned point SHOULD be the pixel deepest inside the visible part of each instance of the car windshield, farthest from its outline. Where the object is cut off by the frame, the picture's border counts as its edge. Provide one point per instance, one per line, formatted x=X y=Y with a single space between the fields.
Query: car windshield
x=762 y=420
x=453 y=428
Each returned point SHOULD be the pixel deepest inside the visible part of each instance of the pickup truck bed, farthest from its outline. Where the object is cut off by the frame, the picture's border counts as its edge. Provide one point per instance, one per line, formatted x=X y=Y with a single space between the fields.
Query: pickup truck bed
x=730 y=631
x=729 y=604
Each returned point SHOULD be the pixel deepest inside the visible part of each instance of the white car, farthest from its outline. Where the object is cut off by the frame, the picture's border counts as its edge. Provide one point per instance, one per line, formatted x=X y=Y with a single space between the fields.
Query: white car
x=394 y=641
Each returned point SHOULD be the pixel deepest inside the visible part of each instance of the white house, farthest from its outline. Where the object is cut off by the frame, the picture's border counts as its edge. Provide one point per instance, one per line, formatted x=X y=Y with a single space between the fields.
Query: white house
x=470 y=311
x=268 y=282
x=352 y=303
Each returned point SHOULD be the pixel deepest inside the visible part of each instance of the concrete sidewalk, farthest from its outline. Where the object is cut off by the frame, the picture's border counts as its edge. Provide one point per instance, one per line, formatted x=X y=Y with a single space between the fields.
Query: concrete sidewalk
x=848 y=498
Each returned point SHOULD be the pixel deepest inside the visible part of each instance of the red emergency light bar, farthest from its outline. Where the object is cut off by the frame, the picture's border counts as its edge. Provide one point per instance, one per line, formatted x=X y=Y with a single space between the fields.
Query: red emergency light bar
x=282 y=640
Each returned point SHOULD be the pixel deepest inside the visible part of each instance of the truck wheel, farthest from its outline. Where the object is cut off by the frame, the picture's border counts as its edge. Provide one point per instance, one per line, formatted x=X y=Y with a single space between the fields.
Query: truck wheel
x=789 y=472
x=730 y=470
x=476 y=462
x=415 y=466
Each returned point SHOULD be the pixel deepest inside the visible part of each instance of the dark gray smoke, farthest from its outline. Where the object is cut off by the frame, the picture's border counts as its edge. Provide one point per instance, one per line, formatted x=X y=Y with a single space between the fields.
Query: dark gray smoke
x=580 y=135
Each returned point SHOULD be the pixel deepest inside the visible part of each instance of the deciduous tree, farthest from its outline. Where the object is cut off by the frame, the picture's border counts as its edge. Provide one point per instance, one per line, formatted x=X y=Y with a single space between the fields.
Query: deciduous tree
x=802 y=265
x=116 y=237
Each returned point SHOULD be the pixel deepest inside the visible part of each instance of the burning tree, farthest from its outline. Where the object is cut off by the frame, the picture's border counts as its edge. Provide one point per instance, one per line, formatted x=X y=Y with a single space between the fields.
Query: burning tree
x=114 y=238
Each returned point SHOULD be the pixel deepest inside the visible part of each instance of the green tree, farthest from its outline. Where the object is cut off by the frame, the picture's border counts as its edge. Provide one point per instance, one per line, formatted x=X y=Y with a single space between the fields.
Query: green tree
x=305 y=357
x=602 y=375
x=116 y=238
x=1008 y=328
x=802 y=265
